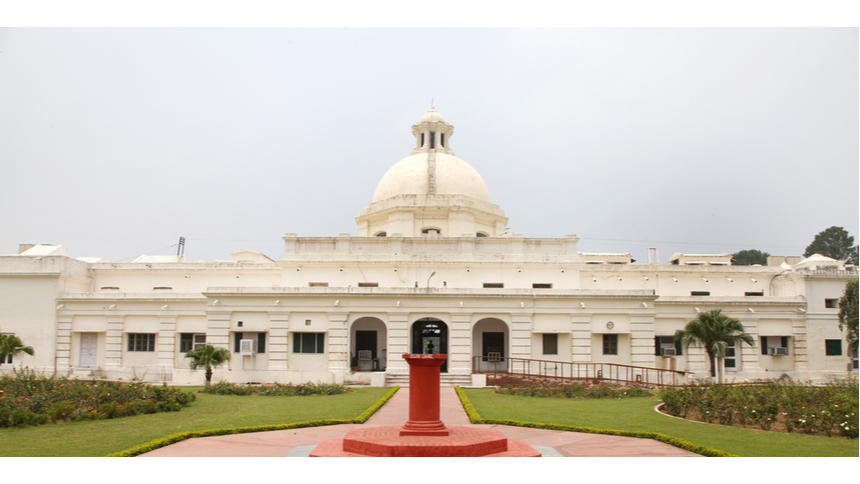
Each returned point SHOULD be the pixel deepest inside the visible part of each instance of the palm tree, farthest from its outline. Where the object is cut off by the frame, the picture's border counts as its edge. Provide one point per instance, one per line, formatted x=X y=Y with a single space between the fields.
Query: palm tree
x=11 y=345
x=715 y=331
x=207 y=357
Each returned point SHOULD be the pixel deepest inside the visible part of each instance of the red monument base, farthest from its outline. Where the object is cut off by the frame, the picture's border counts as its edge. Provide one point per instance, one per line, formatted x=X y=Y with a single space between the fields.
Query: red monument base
x=460 y=442
x=424 y=435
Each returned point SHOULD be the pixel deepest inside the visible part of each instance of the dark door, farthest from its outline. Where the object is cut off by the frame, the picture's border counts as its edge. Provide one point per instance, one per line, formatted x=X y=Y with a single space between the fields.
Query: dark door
x=494 y=345
x=365 y=342
x=430 y=336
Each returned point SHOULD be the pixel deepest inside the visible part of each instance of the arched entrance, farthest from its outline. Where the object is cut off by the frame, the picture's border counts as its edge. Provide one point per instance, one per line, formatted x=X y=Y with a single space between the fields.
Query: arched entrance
x=368 y=348
x=490 y=342
x=430 y=336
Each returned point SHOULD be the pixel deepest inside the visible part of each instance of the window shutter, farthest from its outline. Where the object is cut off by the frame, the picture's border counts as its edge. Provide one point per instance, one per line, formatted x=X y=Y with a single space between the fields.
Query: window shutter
x=784 y=342
x=764 y=345
x=261 y=342
x=236 y=343
x=320 y=341
x=657 y=344
x=297 y=342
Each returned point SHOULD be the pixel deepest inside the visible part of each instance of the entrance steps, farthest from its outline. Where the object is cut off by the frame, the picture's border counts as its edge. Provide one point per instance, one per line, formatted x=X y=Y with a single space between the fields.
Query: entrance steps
x=445 y=380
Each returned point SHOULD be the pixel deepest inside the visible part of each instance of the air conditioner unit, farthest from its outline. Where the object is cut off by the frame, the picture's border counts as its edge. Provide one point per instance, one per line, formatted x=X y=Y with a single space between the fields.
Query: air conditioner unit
x=777 y=351
x=248 y=347
x=668 y=352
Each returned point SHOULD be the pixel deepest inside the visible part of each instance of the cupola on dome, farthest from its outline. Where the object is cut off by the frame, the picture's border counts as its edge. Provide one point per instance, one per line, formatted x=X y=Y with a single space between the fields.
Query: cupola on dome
x=432 y=168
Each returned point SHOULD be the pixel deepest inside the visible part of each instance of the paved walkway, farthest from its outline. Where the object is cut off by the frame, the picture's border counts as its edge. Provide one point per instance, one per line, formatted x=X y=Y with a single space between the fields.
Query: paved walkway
x=300 y=442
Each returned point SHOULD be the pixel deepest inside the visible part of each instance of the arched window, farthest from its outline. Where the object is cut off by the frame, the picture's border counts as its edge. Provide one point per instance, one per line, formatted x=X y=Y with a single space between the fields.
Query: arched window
x=431 y=231
x=381 y=234
x=442 y=140
x=481 y=234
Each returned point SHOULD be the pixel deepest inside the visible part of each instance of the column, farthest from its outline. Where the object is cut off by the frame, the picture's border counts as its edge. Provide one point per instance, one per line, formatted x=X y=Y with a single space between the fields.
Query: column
x=460 y=344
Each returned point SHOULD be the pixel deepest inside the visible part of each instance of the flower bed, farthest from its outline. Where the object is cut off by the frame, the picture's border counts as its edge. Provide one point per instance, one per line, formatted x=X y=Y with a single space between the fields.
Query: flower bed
x=575 y=390
x=776 y=405
x=276 y=389
x=30 y=399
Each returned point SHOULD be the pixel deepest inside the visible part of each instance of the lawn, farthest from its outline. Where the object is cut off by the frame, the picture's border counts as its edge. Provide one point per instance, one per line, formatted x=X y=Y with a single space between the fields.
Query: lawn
x=102 y=437
x=636 y=414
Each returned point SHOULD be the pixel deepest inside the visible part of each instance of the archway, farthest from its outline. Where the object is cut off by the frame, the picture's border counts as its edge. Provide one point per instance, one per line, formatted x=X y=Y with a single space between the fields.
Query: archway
x=368 y=345
x=430 y=336
x=490 y=342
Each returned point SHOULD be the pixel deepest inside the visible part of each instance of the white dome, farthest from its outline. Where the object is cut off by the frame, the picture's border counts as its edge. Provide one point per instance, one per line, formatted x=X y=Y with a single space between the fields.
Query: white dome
x=432 y=116
x=453 y=177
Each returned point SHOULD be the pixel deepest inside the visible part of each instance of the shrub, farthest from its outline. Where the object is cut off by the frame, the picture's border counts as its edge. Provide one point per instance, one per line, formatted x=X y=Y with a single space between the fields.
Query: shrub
x=62 y=399
x=276 y=389
x=828 y=409
x=576 y=390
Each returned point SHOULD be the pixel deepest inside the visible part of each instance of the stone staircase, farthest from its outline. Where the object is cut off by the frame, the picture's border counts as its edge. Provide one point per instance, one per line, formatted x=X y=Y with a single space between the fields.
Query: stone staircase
x=445 y=380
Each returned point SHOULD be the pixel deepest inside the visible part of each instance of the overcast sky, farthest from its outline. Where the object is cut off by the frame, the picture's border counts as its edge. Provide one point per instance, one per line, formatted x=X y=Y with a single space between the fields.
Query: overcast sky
x=116 y=142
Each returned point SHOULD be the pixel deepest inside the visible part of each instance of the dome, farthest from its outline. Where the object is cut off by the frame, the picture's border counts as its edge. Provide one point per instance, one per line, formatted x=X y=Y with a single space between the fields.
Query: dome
x=432 y=168
x=432 y=117
x=453 y=177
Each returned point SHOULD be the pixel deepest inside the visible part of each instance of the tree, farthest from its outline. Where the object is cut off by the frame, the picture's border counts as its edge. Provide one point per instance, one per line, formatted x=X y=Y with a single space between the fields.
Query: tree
x=715 y=331
x=208 y=357
x=11 y=345
x=834 y=243
x=848 y=314
x=750 y=257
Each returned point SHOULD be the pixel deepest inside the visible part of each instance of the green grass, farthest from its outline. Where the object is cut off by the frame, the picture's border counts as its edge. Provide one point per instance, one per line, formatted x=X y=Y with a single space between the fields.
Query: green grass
x=102 y=437
x=636 y=414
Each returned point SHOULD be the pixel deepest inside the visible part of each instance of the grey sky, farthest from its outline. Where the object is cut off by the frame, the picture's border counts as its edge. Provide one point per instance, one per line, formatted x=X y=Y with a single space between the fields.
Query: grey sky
x=116 y=142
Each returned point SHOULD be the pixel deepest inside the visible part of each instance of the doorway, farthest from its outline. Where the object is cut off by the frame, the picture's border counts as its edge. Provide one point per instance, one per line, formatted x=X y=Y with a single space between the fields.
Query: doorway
x=89 y=350
x=430 y=337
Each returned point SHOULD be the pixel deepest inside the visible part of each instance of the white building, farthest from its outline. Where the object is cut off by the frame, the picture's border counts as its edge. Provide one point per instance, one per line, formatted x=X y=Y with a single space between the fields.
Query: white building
x=431 y=265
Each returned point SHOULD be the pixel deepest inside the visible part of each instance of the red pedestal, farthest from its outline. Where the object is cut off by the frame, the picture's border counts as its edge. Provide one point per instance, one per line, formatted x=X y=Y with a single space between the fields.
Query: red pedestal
x=424 y=396
x=424 y=435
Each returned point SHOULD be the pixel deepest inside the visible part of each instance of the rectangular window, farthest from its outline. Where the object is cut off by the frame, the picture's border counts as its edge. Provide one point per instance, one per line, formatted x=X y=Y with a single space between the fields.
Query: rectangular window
x=700 y=293
x=774 y=345
x=317 y=284
x=308 y=343
x=759 y=293
x=833 y=347
x=610 y=344
x=368 y=284
x=141 y=342
x=550 y=344
x=831 y=303
x=494 y=285
x=191 y=341
x=541 y=286
x=666 y=346
x=261 y=341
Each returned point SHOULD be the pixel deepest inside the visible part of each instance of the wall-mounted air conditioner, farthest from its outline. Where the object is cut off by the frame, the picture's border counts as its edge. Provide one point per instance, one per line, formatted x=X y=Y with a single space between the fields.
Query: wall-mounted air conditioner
x=248 y=347
x=668 y=352
x=777 y=351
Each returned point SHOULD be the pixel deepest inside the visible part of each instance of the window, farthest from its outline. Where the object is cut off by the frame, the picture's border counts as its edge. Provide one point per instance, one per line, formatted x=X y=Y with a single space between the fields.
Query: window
x=382 y=234
x=541 y=286
x=368 y=284
x=261 y=341
x=759 y=293
x=317 y=284
x=700 y=293
x=494 y=285
x=662 y=343
x=774 y=345
x=610 y=344
x=141 y=342
x=481 y=234
x=833 y=347
x=831 y=303
x=191 y=341
x=432 y=140
x=550 y=344
x=431 y=231
x=308 y=342
x=442 y=140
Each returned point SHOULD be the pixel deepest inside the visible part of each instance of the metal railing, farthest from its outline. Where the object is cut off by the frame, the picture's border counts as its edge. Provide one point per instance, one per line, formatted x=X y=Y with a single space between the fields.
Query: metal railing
x=568 y=371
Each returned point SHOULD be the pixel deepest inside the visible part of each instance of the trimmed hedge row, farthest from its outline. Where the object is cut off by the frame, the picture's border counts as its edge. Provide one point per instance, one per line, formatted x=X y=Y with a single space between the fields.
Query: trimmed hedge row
x=475 y=418
x=179 y=437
